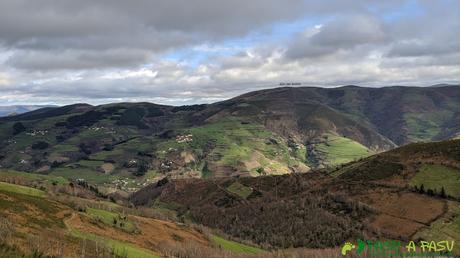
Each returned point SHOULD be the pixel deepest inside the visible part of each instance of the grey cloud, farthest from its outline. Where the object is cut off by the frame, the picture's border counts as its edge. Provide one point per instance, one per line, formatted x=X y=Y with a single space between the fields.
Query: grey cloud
x=417 y=48
x=350 y=31
x=34 y=21
x=34 y=29
x=242 y=60
x=28 y=23
x=417 y=61
x=340 y=34
x=433 y=33
x=77 y=60
x=148 y=25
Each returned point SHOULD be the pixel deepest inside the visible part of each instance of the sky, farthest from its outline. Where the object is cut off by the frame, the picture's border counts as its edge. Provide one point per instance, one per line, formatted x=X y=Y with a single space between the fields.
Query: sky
x=180 y=52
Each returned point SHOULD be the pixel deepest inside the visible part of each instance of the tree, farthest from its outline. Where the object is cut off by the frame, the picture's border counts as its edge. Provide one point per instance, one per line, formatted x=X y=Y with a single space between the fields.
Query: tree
x=261 y=171
x=443 y=193
x=18 y=128
x=430 y=192
x=108 y=147
x=40 y=145
x=422 y=189
x=142 y=168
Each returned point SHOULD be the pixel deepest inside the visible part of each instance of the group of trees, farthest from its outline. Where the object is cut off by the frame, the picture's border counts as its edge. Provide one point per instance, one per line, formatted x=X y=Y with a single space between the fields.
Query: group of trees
x=288 y=211
x=307 y=221
x=18 y=128
x=431 y=192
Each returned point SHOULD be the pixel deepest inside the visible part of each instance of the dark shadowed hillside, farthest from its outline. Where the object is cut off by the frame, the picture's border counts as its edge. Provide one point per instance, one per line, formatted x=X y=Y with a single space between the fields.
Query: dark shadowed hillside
x=408 y=193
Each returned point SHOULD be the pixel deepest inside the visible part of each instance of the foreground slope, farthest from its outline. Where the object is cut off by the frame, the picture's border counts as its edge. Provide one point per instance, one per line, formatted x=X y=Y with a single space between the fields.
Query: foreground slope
x=66 y=220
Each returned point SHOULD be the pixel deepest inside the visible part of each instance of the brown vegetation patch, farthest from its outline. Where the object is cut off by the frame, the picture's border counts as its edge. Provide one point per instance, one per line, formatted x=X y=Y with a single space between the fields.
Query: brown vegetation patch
x=412 y=206
x=187 y=156
x=153 y=233
x=107 y=168
x=5 y=197
x=221 y=171
x=43 y=169
x=395 y=227
x=37 y=225
x=253 y=162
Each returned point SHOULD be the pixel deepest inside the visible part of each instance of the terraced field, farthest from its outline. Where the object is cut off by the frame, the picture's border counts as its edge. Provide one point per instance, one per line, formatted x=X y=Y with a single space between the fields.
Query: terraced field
x=17 y=189
x=90 y=175
x=239 y=189
x=11 y=175
x=235 y=140
x=339 y=150
x=445 y=228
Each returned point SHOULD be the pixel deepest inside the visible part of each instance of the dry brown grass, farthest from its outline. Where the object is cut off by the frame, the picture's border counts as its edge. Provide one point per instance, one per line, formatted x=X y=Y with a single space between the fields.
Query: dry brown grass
x=407 y=205
x=153 y=233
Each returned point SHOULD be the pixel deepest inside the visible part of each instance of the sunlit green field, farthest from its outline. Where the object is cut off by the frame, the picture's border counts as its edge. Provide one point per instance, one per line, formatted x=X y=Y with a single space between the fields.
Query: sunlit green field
x=435 y=177
x=21 y=189
x=90 y=176
x=240 y=190
x=340 y=150
x=234 y=246
x=32 y=177
x=121 y=249
x=111 y=219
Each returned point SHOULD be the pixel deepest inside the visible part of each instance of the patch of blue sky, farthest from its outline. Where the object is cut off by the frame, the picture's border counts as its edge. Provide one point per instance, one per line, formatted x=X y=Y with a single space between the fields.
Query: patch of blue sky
x=193 y=56
x=285 y=30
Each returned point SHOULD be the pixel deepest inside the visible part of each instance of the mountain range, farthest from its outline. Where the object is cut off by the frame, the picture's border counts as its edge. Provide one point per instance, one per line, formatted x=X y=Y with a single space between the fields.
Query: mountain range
x=291 y=172
x=275 y=131
x=20 y=109
x=283 y=129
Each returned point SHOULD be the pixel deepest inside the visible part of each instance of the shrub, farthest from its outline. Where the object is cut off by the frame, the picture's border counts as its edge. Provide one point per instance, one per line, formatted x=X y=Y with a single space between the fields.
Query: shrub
x=18 y=128
x=142 y=168
x=40 y=145
x=133 y=116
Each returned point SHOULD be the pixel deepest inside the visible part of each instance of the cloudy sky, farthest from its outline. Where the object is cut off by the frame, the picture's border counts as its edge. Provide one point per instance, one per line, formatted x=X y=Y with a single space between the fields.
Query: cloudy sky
x=198 y=51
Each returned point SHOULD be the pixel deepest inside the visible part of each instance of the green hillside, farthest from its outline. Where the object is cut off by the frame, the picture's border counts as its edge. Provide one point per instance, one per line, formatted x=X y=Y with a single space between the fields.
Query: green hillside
x=339 y=150
x=125 y=146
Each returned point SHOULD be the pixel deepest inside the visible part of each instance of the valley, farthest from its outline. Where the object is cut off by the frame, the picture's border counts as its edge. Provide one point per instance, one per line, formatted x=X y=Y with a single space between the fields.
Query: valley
x=290 y=172
x=126 y=146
